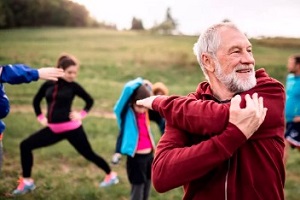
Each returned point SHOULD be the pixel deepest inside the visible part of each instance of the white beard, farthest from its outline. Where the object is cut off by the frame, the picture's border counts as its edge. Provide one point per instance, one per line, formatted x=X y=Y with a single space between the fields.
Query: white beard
x=231 y=80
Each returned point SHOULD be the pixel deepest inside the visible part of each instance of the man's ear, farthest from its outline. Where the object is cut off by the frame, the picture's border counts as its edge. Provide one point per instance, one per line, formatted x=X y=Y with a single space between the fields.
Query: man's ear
x=208 y=62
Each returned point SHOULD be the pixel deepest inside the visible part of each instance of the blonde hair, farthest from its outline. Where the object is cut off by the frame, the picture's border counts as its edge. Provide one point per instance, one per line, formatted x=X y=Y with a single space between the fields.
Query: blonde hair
x=160 y=87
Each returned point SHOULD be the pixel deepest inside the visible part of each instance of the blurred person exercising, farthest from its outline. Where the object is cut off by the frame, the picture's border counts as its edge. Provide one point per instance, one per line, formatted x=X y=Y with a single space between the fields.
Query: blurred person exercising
x=135 y=139
x=292 y=107
x=61 y=123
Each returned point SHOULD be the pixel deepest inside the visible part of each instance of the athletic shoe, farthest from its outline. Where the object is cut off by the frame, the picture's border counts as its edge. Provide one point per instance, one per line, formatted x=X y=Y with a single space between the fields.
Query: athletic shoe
x=116 y=158
x=110 y=179
x=23 y=187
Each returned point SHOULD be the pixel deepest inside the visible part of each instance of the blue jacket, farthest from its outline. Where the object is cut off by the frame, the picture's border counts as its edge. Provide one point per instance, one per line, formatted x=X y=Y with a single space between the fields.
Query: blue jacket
x=13 y=74
x=292 y=106
x=126 y=120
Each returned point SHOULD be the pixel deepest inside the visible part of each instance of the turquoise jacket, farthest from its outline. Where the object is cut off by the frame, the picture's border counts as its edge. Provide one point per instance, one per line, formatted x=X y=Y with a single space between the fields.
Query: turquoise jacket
x=126 y=120
x=292 y=106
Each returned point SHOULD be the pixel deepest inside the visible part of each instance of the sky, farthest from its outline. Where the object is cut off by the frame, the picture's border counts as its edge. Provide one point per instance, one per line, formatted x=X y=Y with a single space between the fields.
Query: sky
x=256 y=18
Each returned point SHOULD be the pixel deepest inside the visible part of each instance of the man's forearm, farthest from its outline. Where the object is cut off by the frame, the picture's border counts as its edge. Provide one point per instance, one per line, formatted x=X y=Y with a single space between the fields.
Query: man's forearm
x=201 y=117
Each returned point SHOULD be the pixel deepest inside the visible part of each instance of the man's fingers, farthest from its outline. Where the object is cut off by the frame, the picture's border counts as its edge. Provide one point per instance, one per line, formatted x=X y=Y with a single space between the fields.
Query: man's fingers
x=235 y=102
x=255 y=100
x=147 y=102
x=261 y=104
x=50 y=73
x=263 y=116
x=249 y=101
x=53 y=79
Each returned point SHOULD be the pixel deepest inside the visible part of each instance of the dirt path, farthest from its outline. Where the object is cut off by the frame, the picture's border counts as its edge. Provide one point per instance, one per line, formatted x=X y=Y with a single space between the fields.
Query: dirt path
x=94 y=113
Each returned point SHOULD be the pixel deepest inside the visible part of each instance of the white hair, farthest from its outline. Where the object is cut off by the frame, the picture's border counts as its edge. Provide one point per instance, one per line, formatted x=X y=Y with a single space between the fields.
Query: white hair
x=209 y=42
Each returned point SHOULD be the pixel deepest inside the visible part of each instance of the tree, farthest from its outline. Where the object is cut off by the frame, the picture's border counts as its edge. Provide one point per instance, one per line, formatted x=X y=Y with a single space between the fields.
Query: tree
x=226 y=20
x=167 y=26
x=136 y=24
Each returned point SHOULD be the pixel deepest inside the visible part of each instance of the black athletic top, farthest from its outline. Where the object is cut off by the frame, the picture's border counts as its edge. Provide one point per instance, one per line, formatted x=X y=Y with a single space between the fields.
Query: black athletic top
x=59 y=97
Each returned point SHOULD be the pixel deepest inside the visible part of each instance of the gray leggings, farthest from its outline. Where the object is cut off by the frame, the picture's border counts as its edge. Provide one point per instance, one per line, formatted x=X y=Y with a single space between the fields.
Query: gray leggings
x=140 y=191
x=139 y=175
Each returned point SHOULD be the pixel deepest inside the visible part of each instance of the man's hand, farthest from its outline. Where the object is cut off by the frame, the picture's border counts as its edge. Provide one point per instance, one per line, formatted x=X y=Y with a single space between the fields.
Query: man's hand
x=247 y=119
x=147 y=102
x=50 y=73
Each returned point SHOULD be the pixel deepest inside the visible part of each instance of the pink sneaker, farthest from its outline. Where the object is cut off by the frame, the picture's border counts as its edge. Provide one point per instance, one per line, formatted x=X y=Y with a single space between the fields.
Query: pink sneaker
x=110 y=179
x=23 y=187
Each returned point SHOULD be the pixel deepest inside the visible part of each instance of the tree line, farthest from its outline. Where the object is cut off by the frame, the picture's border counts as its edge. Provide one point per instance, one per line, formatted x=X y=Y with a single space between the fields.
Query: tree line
x=167 y=26
x=65 y=13
x=36 y=13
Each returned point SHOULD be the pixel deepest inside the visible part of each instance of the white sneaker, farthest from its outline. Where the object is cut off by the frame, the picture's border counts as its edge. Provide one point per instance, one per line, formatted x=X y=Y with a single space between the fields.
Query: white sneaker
x=116 y=158
x=110 y=179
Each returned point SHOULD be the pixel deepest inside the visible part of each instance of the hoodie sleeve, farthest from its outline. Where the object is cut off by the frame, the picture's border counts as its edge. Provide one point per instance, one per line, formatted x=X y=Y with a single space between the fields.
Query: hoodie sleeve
x=18 y=73
x=193 y=115
x=124 y=98
x=174 y=155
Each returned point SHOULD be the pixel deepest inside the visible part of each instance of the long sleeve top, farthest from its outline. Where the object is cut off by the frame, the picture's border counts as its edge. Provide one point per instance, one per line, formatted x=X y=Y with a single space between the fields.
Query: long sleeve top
x=59 y=97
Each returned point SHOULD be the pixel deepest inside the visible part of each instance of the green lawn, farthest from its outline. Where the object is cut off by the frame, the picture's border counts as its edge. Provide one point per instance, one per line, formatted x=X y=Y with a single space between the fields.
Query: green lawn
x=108 y=60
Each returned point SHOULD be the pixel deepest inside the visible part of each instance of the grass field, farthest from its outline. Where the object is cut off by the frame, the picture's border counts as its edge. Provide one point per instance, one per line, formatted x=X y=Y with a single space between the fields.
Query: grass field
x=108 y=60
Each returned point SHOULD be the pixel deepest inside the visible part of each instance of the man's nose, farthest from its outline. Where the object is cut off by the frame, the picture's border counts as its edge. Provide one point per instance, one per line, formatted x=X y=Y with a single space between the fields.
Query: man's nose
x=247 y=58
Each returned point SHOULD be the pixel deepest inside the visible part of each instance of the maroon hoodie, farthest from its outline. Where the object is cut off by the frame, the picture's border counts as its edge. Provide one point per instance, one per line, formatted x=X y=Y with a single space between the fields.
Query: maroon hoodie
x=211 y=157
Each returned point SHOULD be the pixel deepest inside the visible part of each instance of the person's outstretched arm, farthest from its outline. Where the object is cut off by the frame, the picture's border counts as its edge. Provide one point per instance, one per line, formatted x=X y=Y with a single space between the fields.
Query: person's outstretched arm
x=196 y=115
x=20 y=73
x=190 y=114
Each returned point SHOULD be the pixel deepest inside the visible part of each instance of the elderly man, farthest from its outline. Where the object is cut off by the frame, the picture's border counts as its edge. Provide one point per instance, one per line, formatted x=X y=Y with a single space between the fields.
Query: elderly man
x=216 y=150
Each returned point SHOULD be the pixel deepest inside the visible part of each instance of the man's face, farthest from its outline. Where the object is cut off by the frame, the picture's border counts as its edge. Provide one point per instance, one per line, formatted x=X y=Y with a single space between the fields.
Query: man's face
x=234 y=66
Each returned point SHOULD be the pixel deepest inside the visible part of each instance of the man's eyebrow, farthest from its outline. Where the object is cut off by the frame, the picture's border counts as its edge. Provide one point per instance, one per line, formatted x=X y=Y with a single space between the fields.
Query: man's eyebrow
x=238 y=47
x=234 y=47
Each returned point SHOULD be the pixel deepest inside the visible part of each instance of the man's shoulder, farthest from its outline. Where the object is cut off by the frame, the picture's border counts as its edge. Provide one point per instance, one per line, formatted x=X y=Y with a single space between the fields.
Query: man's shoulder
x=203 y=88
x=263 y=78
